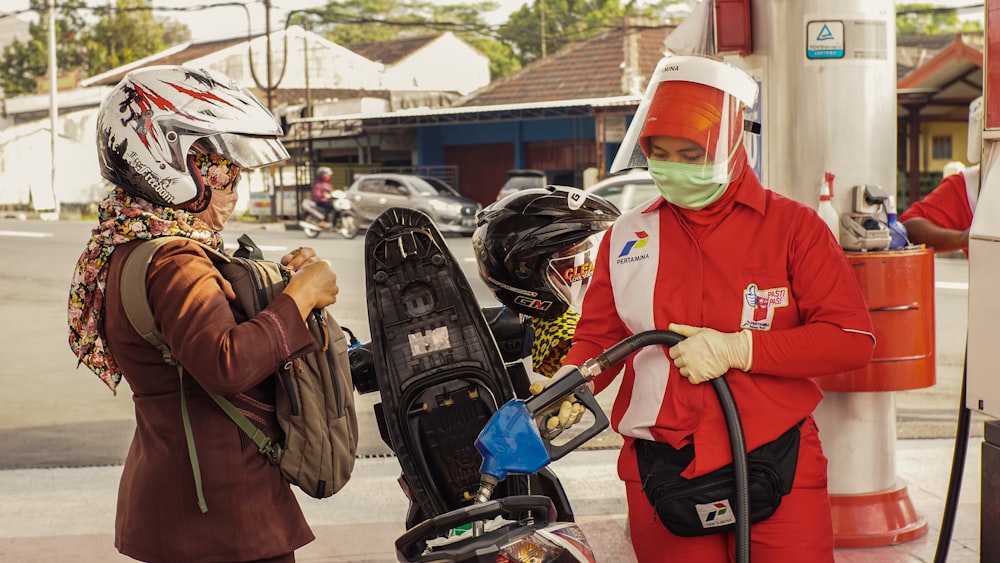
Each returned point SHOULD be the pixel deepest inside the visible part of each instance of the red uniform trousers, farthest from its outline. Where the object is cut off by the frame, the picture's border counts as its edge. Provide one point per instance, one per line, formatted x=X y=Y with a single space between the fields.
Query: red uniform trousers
x=800 y=530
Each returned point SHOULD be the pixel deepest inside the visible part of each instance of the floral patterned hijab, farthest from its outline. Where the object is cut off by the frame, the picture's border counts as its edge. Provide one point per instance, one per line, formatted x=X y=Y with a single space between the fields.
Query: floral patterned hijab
x=122 y=218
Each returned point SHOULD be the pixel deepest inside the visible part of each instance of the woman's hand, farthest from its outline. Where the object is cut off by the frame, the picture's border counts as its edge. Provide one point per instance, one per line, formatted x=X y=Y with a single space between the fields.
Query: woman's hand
x=313 y=284
x=298 y=258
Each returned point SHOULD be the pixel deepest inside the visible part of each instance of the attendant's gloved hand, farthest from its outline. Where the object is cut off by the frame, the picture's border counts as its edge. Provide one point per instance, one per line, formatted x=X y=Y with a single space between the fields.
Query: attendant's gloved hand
x=707 y=353
x=568 y=411
x=567 y=368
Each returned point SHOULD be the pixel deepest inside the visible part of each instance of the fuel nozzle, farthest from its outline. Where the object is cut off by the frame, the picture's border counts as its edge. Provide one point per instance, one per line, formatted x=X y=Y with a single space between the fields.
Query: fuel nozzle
x=512 y=442
x=487 y=484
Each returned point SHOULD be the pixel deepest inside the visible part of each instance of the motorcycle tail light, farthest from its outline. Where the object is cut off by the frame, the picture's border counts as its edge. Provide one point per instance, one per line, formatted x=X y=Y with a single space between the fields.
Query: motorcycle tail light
x=559 y=543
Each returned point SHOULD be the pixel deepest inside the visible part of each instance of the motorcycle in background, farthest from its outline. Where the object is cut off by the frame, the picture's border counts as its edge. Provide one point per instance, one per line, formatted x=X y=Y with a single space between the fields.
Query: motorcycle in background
x=343 y=220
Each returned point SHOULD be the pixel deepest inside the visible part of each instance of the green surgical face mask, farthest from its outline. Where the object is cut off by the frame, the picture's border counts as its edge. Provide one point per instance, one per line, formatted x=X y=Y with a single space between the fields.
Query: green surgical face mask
x=686 y=185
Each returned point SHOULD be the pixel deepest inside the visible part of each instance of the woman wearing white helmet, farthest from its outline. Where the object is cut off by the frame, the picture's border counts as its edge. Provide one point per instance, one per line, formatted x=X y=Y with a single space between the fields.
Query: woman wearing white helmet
x=764 y=295
x=173 y=141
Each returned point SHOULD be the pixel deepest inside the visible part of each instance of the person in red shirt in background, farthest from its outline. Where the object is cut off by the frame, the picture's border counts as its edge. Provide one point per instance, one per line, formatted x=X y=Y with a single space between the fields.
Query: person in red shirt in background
x=759 y=287
x=322 y=194
x=942 y=219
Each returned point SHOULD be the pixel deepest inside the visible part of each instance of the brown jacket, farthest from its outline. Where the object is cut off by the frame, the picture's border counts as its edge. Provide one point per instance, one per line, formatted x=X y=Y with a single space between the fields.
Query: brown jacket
x=252 y=512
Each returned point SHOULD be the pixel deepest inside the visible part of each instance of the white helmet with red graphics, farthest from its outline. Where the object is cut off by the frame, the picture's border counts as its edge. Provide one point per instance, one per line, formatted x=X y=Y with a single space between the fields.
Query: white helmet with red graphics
x=148 y=124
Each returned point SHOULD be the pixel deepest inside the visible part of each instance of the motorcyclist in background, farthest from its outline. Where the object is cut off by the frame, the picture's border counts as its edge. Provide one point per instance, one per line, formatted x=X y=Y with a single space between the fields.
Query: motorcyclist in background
x=322 y=194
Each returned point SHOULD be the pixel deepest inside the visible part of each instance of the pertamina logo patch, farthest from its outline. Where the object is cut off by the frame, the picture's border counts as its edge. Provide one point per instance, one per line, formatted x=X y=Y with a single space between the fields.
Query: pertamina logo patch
x=715 y=514
x=630 y=251
x=759 y=306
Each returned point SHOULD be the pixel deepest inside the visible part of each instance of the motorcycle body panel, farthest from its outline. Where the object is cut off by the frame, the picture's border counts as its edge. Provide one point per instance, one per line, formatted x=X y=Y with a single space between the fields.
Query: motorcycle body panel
x=438 y=368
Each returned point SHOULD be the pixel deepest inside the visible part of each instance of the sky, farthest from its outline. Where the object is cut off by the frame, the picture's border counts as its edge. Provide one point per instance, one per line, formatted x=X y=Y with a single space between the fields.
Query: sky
x=228 y=21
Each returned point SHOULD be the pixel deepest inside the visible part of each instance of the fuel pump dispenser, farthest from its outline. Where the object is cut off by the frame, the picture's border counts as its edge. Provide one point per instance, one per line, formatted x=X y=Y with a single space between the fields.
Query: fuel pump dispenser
x=982 y=390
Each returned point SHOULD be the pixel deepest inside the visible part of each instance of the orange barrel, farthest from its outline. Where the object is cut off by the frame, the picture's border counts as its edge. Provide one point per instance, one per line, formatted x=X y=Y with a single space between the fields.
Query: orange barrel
x=899 y=288
x=857 y=416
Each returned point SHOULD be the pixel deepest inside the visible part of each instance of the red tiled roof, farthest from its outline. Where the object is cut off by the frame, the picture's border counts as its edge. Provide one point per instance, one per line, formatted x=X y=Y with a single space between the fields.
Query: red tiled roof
x=391 y=51
x=587 y=69
x=946 y=84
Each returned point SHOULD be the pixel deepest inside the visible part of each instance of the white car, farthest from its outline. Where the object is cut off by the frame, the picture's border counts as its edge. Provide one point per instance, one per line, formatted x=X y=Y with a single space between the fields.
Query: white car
x=626 y=189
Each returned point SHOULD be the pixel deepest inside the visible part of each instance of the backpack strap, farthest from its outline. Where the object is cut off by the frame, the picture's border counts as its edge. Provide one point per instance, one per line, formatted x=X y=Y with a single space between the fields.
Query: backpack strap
x=135 y=301
x=133 y=291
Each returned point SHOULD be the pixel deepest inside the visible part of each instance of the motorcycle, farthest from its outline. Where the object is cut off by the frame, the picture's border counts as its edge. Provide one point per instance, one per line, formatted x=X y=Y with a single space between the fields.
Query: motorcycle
x=438 y=361
x=343 y=220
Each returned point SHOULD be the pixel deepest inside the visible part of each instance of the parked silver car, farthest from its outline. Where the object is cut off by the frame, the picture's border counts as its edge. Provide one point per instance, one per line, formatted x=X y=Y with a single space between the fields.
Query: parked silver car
x=452 y=212
x=626 y=189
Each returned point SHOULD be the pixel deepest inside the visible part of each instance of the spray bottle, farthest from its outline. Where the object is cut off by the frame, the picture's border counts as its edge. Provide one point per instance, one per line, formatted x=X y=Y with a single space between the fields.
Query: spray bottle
x=826 y=209
x=897 y=231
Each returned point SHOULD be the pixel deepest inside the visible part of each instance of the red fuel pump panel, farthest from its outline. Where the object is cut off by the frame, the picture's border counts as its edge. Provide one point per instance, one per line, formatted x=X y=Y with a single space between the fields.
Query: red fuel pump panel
x=992 y=71
x=732 y=27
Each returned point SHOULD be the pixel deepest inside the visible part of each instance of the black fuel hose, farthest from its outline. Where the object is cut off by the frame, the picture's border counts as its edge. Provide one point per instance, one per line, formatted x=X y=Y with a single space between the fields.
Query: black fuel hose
x=737 y=441
x=957 y=469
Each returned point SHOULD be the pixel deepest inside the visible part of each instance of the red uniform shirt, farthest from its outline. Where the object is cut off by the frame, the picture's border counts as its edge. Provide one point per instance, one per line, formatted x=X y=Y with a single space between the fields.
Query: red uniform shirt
x=770 y=265
x=947 y=206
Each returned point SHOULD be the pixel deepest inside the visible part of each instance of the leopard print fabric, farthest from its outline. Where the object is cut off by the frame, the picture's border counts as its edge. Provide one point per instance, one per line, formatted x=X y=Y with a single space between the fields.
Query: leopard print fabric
x=552 y=341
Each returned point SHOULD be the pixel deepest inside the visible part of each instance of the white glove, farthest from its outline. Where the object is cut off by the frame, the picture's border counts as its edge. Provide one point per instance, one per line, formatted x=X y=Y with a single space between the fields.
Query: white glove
x=706 y=353
x=539 y=386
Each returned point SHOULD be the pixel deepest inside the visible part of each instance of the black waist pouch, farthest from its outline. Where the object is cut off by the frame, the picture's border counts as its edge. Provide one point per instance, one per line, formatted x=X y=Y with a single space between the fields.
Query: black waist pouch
x=704 y=505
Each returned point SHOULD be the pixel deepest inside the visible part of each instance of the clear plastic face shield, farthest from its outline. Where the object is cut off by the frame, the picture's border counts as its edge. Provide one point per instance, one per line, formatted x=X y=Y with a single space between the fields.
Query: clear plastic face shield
x=974 y=146
x=692 y=112
x=569 y=272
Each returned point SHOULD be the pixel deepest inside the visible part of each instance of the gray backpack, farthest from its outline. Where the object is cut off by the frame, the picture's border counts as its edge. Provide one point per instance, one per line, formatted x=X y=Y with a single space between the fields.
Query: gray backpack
x=315 y=401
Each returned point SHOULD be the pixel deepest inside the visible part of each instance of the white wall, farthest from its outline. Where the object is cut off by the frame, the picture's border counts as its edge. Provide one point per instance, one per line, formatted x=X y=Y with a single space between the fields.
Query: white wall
x=445 y=64
x=26 y=162
x=329 y=65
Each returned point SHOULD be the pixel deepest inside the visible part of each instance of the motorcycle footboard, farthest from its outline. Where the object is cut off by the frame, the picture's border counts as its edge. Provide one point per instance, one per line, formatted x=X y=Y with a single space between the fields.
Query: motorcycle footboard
x=439 y=371
x=443 y=421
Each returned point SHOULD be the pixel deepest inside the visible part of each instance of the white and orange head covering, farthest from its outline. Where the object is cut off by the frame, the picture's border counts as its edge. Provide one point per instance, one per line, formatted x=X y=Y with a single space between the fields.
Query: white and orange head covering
x=695 y=98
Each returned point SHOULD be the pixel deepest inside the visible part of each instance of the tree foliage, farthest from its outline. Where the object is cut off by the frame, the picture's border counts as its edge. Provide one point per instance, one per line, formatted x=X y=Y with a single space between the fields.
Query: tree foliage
x=927 y=19
x=24 y=62
x=545 y=26
x=90 y=40
x=129 y=32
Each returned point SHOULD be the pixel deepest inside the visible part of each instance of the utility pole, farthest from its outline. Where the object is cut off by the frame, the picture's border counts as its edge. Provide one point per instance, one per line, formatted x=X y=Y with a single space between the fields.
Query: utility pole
x=268 y=87
x=53 y=105
x=267 y=40
x=541 y=12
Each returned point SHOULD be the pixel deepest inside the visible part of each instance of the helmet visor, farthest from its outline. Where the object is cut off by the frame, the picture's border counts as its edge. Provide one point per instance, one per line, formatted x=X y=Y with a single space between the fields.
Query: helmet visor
x=698 y=100
x=570 y=270
x=247 y=151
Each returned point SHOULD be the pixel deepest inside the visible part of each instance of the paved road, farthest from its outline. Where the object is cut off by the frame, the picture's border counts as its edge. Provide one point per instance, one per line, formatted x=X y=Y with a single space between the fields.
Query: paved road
x=52 y=414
